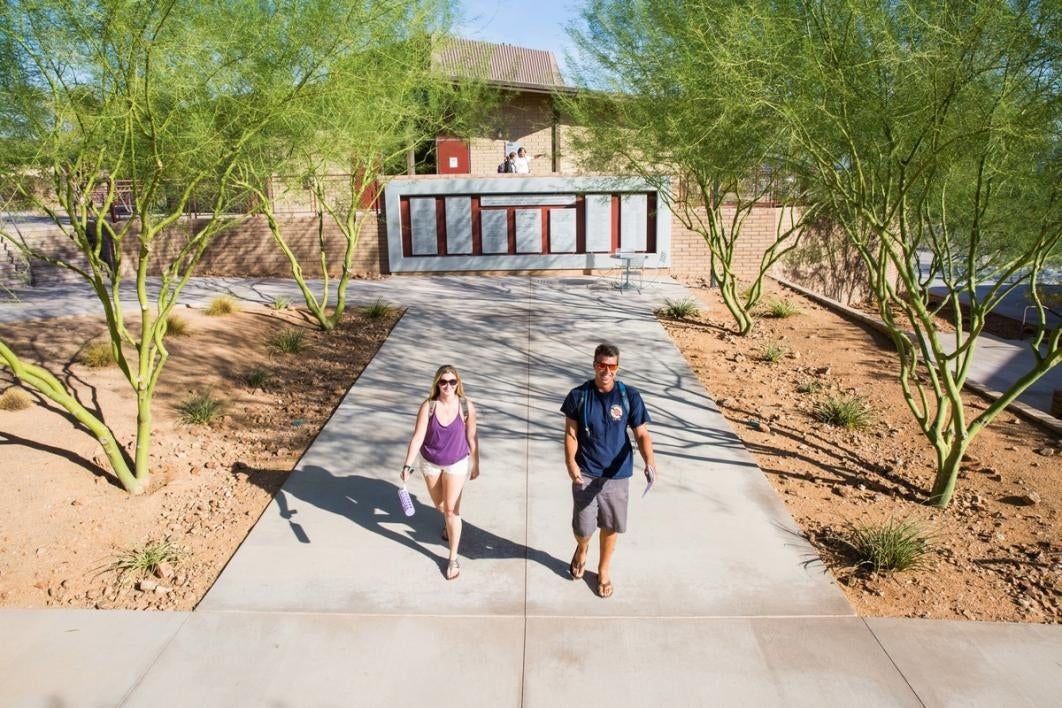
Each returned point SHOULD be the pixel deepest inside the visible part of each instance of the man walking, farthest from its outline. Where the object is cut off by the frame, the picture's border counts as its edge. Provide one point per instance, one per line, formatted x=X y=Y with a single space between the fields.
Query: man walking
x=600 y=459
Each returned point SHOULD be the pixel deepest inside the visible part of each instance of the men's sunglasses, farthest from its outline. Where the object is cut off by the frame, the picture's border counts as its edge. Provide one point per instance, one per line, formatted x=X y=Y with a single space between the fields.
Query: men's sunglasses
x=447 y=382
x=601 y=366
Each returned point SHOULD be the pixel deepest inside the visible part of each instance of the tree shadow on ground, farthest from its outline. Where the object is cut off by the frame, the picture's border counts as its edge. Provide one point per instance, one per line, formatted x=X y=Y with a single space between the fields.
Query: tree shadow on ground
x=850 y=469
x=373 y=505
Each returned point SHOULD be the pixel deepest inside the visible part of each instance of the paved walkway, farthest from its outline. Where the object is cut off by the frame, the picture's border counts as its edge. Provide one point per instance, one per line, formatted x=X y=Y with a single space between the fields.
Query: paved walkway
x=337 y=599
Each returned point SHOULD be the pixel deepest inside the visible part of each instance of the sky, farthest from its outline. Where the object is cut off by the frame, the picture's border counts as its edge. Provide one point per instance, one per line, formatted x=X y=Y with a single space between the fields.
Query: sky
x=536 y=24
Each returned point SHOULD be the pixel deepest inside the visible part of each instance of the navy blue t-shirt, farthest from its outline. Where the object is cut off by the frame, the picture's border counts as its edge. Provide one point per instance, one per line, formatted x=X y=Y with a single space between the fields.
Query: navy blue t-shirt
x=604 y=448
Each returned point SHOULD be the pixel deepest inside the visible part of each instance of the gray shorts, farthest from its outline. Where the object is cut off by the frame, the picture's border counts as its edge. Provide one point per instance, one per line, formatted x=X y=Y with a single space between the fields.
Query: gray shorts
x=600 y=503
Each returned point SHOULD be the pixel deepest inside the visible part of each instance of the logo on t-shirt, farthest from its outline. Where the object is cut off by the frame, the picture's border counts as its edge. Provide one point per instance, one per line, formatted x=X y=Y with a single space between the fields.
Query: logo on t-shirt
x=616 y=411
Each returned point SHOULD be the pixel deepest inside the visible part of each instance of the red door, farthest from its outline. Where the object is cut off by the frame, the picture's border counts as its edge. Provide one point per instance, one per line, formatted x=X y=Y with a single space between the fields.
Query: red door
x=453 y=156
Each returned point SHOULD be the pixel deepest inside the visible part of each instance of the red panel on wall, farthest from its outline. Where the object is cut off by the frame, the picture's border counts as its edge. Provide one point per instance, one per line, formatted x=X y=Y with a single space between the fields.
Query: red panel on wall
x=453 y=155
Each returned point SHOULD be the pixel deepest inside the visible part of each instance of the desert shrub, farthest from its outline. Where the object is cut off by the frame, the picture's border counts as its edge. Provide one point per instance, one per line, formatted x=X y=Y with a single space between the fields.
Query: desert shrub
x=176 y=326
x=890 y=546
x=222 y=305
x=290 y=340
x=97 y=355
x=772 y=352
x=256 y=378
x=844 y=412
x=14 y=399
x=680 y=309
x=146 y=559
x=377 y=310
x=200 y=408
x=781 y=308
x=810 y=386
x=280 y=303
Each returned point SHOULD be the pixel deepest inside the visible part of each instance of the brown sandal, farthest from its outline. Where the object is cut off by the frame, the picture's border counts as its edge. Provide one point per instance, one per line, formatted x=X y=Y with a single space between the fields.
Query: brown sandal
x=576 y=569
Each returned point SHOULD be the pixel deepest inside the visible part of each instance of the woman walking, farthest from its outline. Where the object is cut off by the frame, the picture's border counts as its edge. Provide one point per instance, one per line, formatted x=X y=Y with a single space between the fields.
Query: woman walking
x=445 y=438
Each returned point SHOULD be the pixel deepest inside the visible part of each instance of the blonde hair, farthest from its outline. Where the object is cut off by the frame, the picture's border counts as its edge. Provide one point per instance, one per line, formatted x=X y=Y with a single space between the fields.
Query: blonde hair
x=459 y=390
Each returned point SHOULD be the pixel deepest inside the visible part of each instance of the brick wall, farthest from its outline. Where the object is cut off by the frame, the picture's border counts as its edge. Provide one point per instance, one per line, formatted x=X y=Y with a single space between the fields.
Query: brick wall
x=690 y=256
x=248 y=250
x=523 y=118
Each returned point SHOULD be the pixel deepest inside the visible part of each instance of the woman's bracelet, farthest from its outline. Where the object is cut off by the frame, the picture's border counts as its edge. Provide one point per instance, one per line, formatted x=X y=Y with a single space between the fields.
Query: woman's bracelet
x=409 y=468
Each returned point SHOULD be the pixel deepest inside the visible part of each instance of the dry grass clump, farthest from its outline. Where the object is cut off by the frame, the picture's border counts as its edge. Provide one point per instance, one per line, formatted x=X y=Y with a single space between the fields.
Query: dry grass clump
x=97 y=355
x=176 y=326
x=14 y=399
x=222 y=305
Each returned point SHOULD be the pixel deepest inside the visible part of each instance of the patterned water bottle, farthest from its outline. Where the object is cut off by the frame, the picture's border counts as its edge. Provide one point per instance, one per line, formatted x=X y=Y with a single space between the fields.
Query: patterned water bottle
x=407 y=501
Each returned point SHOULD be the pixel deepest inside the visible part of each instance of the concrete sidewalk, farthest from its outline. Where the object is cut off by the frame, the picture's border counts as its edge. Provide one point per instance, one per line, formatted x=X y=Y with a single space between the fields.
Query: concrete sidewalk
x=336 y=598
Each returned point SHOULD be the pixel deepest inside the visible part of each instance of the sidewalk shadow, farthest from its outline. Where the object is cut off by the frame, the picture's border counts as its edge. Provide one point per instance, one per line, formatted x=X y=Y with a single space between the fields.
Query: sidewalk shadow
x=373 y=504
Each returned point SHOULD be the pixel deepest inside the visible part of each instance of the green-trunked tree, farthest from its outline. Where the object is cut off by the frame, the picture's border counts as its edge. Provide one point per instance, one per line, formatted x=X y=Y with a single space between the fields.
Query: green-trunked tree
x=154 y=109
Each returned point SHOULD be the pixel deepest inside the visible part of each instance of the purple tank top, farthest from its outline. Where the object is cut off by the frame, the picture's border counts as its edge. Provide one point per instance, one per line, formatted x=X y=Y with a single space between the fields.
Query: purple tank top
x=445 y=444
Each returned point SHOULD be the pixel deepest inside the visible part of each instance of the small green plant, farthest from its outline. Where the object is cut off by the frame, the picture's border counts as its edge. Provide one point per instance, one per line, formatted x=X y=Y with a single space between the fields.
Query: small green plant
x=222 y=305
x=891 y=546
x=377 y=310
x=844 y=411
x=97 y=355
x=176 y=326
x=680 y=309
x=810 y=386
x=773 y=352
x=145 y=560
x=280 y=303
x=289 y=340
x=781 y=308
x=257 y=378
x=200 y=408
x=15 y=399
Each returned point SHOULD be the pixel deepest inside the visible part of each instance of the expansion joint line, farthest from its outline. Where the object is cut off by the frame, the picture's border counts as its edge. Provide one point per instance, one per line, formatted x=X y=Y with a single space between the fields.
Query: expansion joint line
x=527 y=473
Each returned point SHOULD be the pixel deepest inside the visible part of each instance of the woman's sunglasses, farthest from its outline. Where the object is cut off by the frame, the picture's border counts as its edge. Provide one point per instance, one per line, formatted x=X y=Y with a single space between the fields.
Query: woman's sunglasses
x=601 y=366
x=447 y=382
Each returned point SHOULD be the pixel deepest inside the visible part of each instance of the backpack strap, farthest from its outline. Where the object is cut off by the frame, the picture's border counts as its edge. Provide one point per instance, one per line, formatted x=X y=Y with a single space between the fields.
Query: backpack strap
x=462 y=407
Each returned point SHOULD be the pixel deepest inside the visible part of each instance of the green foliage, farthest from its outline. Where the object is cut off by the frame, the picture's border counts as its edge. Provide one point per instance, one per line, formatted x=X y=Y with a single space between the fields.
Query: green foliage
x=844 y=412
x=146 y=559
x=810 y=386
x=381 y=99
x=681 y=91
x=160 y=109
x=14 y=399
x=890 y=547
x=773 y=352
x=931 y=137
x=686 y=308
x=97 y=355
x=781 y=308
x=200 y=408
x=280 y=303
x=176 y=326
x=378 y=309
x=290 y=340
x=222 y=305
x=257 y=378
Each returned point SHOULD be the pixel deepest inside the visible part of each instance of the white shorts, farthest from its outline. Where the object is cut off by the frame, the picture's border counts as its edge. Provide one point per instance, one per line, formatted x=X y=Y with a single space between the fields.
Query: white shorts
x=460 y=468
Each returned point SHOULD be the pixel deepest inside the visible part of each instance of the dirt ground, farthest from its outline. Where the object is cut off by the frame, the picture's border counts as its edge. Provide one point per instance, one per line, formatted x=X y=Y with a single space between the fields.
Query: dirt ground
x=64 y=519
x=997 y=548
